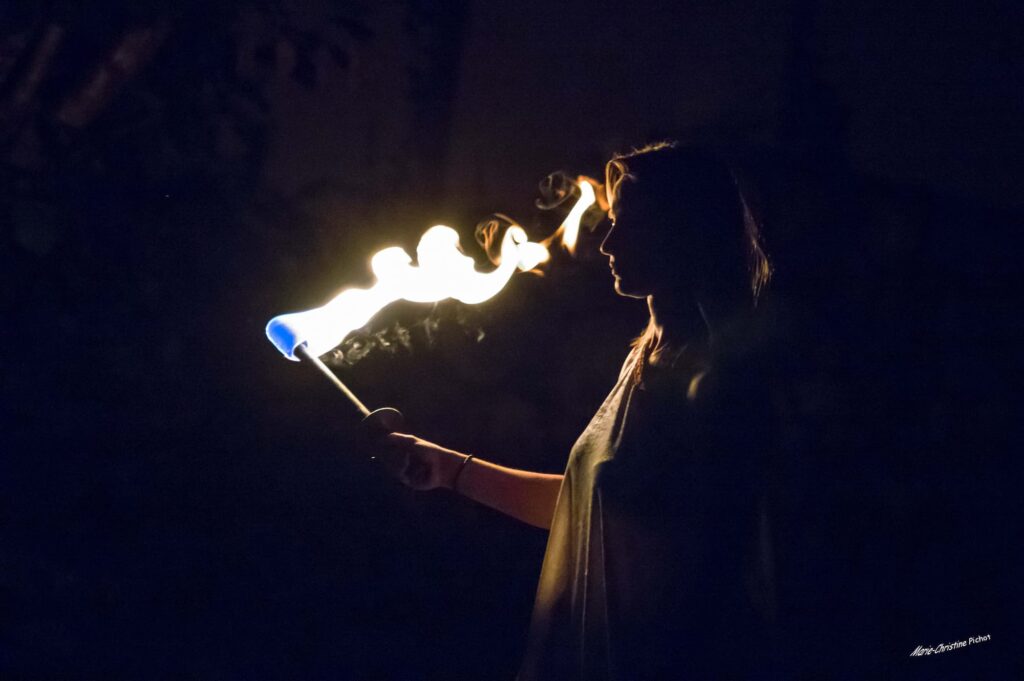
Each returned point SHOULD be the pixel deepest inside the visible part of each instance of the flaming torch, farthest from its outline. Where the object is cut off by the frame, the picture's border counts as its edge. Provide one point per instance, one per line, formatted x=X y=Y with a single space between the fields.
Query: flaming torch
x=441 y=271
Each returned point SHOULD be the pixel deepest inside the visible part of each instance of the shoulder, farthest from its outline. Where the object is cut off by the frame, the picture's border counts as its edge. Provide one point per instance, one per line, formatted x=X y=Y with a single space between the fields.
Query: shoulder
x=629 y=365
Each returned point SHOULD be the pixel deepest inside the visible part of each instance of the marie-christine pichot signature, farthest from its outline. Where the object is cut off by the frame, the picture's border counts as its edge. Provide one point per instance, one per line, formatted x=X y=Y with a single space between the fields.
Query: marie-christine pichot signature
x=946 y=647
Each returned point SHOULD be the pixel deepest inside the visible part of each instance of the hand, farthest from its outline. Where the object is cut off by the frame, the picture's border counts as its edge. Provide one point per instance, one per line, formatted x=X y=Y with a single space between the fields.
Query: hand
x=417 y=463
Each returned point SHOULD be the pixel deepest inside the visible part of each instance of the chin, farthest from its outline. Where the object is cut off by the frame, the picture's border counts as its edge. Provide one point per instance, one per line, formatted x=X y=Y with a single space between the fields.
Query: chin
x=626 y=291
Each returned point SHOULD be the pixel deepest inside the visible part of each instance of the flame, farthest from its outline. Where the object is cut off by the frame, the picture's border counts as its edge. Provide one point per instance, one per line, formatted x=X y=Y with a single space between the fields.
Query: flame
x=569 y=230
x=571 y=225
x=442 y=271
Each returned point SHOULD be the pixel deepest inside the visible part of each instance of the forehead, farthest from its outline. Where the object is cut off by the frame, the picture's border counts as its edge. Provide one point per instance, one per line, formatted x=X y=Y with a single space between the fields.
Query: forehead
x=615 y=200
x=630 y=196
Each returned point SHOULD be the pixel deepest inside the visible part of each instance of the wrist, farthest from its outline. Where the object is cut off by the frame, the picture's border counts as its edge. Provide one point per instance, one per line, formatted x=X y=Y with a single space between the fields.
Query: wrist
x=457 y=473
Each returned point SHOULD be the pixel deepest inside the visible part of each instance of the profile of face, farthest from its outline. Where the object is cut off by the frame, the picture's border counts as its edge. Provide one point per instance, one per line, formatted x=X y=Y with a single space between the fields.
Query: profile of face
x=648 y=250
x=680 y=229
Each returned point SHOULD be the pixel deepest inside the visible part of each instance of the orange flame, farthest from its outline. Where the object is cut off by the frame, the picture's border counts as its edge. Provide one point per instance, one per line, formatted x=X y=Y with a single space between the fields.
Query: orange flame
x=569 y=230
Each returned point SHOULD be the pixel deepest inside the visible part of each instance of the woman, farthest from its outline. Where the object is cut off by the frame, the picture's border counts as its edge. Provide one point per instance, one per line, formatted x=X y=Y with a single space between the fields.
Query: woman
x=658 y=561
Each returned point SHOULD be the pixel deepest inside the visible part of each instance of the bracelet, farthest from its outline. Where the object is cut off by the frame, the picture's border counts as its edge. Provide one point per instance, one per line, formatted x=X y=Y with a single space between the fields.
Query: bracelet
x=462 y=465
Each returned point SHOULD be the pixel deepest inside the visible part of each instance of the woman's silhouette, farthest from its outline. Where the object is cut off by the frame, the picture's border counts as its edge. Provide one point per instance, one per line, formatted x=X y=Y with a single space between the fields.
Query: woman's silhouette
x=659 y=559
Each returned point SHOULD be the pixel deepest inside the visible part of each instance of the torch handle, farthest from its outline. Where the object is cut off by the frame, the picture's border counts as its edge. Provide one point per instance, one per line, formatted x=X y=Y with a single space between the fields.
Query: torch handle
x=378 y=422
x=303 y=352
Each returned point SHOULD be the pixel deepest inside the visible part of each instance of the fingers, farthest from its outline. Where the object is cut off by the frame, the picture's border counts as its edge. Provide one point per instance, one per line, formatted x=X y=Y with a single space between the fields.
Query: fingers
x=393 y=452
x=398 y=453
x=416 y=473
x=410 y=459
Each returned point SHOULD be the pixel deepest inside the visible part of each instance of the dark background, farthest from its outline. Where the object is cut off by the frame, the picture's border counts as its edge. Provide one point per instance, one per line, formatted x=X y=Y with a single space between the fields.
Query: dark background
x=179 y=501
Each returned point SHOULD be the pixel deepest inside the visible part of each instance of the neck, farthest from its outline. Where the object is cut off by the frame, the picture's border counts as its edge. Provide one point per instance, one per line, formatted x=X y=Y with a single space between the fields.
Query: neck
x=676 y=324
x=699 y=317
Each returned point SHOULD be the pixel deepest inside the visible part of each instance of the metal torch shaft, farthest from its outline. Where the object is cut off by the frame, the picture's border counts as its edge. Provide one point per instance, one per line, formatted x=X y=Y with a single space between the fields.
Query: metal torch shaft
x=303 y=352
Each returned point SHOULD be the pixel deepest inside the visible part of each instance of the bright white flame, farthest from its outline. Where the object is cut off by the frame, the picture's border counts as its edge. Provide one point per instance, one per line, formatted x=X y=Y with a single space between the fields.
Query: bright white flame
x=571 y=225
x=442 y=271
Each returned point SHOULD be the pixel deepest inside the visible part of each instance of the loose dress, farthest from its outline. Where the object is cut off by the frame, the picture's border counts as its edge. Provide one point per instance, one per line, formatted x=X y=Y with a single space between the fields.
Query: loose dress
x=659 y=559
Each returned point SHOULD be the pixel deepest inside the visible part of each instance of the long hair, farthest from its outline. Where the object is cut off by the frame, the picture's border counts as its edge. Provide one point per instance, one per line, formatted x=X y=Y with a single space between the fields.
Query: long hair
x=701 y=184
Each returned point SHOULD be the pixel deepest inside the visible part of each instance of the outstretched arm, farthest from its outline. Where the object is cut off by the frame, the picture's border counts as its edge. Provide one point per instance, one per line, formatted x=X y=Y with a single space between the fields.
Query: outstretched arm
x=525 y=495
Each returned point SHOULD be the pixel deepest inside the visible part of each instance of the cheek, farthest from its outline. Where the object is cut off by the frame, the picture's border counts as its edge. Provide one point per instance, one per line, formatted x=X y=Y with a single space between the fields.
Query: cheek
x=654 y=255
x=638 y=246
x=658 y=267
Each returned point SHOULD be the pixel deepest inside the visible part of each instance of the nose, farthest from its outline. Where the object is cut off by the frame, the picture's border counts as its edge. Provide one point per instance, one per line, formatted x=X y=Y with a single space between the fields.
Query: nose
x=605 y=247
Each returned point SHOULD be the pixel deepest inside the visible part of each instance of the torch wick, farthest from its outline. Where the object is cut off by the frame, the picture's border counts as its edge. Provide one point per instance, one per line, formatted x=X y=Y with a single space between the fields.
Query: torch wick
x=303 y=352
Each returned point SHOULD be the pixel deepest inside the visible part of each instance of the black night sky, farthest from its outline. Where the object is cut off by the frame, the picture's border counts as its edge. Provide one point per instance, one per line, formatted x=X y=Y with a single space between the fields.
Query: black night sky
x=178 y=501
